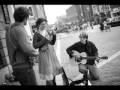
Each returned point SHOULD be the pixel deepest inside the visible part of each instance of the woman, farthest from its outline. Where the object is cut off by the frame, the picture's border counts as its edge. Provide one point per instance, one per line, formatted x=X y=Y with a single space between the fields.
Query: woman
x=44 y=40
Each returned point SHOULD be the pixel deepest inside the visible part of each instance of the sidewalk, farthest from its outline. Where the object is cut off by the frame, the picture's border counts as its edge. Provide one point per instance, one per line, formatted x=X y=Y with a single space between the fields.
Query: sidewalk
x=109 y=73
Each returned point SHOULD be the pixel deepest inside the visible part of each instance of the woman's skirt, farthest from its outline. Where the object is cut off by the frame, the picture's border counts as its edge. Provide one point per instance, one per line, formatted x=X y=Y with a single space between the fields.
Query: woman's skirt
x=49 y=65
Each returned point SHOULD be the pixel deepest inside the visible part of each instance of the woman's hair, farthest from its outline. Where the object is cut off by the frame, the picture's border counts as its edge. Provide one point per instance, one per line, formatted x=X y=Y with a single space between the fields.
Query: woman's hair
x=20 y=14
x=39 y=21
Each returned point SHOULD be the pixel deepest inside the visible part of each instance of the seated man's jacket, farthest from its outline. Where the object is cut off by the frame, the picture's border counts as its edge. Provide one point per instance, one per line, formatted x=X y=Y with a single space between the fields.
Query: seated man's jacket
x=89 y=48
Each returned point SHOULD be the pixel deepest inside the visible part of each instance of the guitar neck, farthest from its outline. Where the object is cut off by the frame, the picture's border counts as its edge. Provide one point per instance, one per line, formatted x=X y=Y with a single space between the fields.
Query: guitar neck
x=90 y=58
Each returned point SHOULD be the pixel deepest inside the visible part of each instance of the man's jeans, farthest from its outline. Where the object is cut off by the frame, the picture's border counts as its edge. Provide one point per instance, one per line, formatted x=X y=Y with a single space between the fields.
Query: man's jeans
x=25 y=76
x=93 y=71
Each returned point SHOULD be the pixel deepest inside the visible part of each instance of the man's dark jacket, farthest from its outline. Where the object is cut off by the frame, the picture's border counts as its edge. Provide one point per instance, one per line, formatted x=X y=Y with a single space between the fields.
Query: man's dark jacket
x=89 y=48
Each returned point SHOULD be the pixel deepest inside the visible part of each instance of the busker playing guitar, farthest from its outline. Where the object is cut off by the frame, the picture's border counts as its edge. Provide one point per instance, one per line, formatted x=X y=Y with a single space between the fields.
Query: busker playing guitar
x=84 y=45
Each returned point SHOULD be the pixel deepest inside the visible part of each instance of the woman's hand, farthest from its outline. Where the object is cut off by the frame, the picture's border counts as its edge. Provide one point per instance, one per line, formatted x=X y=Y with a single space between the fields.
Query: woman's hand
x=51 y=32
x=48 y=37
x=54 y=32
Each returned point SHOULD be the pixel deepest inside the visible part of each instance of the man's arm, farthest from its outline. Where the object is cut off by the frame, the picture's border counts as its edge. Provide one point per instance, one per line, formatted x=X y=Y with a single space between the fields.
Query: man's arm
x=70 y=49
x=24 y=42
x=39 y=44
x=94 y=50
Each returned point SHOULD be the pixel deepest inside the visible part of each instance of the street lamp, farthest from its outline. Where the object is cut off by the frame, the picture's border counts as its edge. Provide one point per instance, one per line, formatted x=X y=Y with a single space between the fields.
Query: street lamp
x=88 y=13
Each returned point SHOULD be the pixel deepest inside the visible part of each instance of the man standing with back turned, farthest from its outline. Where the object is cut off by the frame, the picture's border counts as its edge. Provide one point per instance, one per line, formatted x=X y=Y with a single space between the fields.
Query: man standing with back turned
x=20 y=48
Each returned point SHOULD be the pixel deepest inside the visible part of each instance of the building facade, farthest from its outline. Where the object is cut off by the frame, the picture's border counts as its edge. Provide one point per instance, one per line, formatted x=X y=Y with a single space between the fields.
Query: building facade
x=80 y=13
x=87 y=12
x=6 y=18
x=72 y=14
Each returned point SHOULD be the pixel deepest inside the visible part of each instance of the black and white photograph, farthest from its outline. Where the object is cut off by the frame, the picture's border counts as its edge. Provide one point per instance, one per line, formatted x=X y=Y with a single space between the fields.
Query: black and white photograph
x=59 y=45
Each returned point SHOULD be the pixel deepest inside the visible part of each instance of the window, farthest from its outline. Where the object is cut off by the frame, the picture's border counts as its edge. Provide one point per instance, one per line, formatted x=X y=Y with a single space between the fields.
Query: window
x=1 y=62
x=2 y=19
x=116 y=14
x=31 y=11
x=6 y=14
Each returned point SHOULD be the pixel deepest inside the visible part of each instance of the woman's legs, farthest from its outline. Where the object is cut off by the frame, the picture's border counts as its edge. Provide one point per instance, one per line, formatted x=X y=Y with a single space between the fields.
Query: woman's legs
x=51 y=82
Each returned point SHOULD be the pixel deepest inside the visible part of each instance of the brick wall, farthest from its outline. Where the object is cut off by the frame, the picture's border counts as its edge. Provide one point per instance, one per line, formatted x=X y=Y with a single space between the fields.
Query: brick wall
x=4 y=54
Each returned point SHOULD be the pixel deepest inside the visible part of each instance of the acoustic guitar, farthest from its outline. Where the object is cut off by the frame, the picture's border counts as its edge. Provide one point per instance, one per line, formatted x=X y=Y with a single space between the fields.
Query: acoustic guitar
x=82 y=57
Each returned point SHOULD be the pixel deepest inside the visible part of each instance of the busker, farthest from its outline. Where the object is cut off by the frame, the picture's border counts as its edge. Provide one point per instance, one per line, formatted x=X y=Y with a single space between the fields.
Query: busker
x=84 y=45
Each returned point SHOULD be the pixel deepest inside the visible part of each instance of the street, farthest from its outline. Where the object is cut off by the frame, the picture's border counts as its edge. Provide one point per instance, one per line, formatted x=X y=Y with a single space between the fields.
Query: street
x=107 y=43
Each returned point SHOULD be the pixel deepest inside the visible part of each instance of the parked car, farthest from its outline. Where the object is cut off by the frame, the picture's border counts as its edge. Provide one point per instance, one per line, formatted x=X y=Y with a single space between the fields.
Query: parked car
x=115 y=17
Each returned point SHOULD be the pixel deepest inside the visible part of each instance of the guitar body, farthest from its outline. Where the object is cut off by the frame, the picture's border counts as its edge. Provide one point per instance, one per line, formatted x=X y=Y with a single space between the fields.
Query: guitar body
x=83 y=61
x=83 y=54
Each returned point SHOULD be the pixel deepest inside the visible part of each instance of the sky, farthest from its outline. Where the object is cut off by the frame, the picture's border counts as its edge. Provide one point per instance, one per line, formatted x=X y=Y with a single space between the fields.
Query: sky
x=52 y=11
